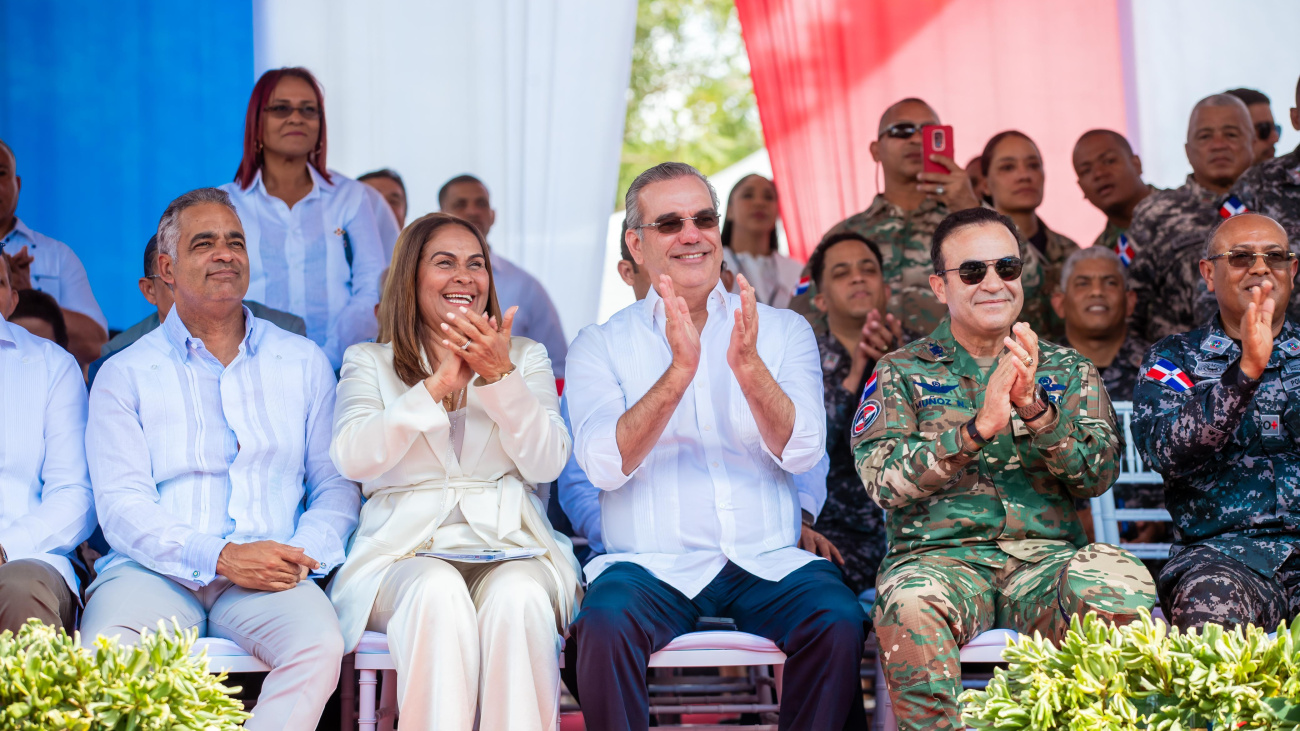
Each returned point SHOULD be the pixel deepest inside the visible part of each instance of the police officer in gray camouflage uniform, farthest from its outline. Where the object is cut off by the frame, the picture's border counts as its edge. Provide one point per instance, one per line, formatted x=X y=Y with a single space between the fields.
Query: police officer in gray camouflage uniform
x=1214 y=413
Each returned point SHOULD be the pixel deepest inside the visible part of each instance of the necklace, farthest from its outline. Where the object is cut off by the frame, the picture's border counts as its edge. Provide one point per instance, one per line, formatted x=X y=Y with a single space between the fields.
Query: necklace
x=454 y=400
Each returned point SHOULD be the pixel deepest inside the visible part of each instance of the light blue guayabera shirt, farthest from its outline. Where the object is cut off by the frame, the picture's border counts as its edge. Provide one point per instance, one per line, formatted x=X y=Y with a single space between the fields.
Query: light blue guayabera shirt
x=186 y=456
x=46 y=508
x=55 y=270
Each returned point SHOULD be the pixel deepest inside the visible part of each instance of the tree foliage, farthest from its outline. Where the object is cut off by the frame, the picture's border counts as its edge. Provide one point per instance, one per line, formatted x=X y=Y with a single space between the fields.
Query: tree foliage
x=690 y=97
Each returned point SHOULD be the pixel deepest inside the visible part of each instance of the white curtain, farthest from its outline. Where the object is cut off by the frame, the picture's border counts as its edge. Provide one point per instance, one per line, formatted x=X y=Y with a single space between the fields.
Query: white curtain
x=527 y=95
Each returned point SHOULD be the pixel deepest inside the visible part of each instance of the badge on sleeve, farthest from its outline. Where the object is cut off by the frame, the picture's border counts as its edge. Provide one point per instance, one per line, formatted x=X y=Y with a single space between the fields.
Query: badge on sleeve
x=1291 y=347
x=936 y=350
x=1292 y=366
x=869 y=388
x=802 y=286
x=1272 y=425
x=1232 y=207
x=1216 y=344
x=867 y=414
x=1124 y=249
x=1169 y=374
x=1209 y=368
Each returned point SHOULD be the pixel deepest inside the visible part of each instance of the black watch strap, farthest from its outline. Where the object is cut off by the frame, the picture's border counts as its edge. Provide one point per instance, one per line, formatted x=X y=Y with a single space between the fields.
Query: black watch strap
x=975 y=436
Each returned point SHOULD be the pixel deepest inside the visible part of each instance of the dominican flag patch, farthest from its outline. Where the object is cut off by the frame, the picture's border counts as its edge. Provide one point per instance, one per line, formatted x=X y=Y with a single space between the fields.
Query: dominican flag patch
x=1170 y=375
x=802 y=286
x=866 y=416
x=1232 y=207
x=1125 y=249
x=868 y=389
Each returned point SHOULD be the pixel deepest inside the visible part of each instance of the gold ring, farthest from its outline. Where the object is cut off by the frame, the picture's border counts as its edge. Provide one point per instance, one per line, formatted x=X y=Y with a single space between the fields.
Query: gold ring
x=1028 y=361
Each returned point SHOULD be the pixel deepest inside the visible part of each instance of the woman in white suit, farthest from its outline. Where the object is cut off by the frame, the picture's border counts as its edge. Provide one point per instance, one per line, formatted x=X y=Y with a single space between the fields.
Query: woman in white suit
x=448 y=422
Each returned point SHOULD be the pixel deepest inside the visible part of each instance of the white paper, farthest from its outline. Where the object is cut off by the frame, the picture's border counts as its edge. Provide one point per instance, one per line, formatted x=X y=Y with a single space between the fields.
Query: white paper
x=484 y=555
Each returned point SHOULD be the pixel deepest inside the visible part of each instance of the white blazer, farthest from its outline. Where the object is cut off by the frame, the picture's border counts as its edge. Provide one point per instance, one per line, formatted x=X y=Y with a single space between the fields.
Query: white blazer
x=395 y=440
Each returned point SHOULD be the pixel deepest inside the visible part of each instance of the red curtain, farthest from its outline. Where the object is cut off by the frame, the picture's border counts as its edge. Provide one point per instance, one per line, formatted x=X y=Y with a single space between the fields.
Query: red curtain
x=824 y=70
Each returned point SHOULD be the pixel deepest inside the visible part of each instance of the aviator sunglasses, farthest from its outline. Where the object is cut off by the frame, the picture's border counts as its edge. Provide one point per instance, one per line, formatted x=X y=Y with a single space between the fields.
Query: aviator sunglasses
x=1246 y=259
x=670 y=226
x=900 y=131
x=973 y=272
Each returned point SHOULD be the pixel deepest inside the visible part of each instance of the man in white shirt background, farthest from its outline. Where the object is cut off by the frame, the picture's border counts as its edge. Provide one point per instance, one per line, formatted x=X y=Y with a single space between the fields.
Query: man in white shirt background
x=694 y=409
x=40 y=262
x=46 y=507
x=208 y=445
x=467 y=197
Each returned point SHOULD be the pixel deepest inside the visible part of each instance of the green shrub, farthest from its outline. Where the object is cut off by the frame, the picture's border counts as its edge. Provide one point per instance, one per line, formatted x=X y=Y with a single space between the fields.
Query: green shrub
x=48 y=681
x=1143 y=676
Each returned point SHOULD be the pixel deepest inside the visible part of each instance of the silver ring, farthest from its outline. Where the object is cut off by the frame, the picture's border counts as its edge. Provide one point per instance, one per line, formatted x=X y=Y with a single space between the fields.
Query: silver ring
x=939 y=190
x=465 y=346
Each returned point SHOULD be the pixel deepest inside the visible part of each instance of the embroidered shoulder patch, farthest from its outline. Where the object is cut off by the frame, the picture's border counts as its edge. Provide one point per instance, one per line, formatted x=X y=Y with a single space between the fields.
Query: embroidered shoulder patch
x=1124 y=248
x=1169 y=374
x=1216 y=344
x=1232 y=207
x=867 y=414
x=1291 y=347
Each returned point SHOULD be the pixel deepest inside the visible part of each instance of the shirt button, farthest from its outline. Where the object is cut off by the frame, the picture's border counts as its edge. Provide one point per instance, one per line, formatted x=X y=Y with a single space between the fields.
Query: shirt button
x=707 y=427
x=715 y=464
x=196 y=574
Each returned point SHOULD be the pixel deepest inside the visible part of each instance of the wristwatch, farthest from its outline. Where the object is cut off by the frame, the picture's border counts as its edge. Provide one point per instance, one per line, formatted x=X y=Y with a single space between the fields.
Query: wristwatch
x=1036 y=409
x=976 y=438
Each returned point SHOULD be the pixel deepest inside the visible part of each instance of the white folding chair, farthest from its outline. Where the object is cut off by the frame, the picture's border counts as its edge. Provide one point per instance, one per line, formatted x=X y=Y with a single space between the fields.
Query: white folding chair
x=985 y=648
x=1133 y=471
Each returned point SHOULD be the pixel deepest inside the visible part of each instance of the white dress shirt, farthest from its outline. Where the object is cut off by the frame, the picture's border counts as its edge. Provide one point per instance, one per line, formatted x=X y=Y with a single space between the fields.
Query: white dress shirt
x=710 y=490
x=56 y=271
x=537 y=318
x=187 y=456
x=46 y=508
x=297 y=259
x=580 y=500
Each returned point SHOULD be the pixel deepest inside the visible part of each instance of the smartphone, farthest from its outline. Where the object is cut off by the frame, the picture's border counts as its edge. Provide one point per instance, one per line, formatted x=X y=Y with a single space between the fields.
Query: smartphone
x=936 y=139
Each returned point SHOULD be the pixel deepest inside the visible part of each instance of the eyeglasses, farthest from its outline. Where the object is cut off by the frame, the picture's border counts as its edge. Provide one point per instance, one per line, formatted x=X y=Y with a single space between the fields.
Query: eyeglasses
x=1246 y=259
x=284 y=111
x=973 y=272
x=1267 y=129
x=900 y=131
x=703 y=220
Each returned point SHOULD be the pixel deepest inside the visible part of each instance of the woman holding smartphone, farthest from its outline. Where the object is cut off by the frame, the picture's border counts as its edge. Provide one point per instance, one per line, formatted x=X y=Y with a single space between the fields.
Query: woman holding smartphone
x=448 y=423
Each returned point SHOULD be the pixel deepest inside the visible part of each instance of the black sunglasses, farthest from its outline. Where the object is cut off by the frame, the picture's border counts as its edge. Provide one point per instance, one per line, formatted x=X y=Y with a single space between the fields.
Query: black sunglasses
x=1266 y=129
x=1246 y=259
x=703 y=220
x=900 y=131
x=973 y=272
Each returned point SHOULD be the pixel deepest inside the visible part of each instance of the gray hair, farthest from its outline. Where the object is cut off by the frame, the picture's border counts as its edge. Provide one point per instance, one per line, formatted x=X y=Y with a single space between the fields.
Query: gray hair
x=169 y=226
x=1219 y=100
x=1092 y=252
x=660 y=173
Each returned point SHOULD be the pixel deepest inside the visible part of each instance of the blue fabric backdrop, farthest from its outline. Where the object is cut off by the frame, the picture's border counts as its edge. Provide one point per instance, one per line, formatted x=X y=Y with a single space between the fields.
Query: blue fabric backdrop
x=112 y=110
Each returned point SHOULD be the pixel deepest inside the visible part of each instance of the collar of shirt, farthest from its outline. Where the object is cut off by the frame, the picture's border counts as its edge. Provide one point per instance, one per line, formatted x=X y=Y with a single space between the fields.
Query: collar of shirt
x=652 y=307
x=6 y=333
x=20 y=229
x=1232 y=350
x=942 y=346
x=1201 y=193
x=880 y=206
x=318 y=184
x=184 y=343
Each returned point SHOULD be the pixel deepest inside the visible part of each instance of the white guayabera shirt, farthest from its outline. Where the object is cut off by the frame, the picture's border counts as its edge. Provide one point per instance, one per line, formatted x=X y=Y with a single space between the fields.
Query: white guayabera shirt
x=710 y=490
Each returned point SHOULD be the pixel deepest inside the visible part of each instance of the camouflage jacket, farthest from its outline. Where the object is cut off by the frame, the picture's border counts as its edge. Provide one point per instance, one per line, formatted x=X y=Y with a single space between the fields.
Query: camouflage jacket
x=904 y=241
x=1229 y=448
x=847 y=503
x=1017 y=492
x=1056 y=248
x=1110 y=236
x=1121 y=375
x=1273 y=189
x=1168 y=232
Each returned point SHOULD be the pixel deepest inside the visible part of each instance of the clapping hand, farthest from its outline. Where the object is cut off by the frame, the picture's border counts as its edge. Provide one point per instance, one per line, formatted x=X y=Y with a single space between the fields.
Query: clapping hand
x=878 y=338
x=20 y=270
x=1024 y=349
x=742 y=353
x=994 y=416
x=683 y=338
x=452 y=374
x=1257 y=331
x=482 y=343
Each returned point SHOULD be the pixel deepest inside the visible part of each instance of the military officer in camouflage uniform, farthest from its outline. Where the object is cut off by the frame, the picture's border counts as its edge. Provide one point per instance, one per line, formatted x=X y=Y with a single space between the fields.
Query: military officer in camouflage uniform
x=1169 y=228
x=1110 y=176
x=852 y=293
x=1273 y=189
x=1216 y=413
x=976 y=440
x=902 y=218
x=1094 y=300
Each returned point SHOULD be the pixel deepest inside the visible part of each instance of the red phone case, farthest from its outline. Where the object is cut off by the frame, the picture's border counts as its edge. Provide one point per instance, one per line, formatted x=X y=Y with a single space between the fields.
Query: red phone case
x=936 y=139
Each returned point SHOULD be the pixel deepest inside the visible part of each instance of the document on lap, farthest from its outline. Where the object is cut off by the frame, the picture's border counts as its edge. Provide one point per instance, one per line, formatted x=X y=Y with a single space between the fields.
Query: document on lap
x=484 y=555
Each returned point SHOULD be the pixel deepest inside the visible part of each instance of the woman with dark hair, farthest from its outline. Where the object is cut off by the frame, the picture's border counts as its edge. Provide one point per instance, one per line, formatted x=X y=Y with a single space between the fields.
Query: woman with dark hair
x=749 y=242
x=448 y=423
x=314 y=246
x=1013 y=169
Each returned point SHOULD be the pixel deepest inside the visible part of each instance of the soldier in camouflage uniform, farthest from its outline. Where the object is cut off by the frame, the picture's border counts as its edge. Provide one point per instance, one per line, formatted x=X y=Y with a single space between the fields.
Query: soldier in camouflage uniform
x=1169 y=228
x=976 y=444
x=1110 y=176
x=1273 y=189
x=1216 y=414
x=852 y=293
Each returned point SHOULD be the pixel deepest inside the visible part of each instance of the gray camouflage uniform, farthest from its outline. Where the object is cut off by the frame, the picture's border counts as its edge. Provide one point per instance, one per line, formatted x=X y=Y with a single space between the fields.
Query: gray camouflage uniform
x=1273 y=189
x=1229 y=449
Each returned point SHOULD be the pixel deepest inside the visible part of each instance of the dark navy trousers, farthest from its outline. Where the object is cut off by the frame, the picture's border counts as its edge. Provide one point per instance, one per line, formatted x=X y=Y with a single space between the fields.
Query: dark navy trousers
x=628 y=614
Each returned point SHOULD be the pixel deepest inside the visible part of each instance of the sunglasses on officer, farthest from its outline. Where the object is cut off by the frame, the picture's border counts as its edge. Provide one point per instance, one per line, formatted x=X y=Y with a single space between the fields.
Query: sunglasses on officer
x=900 y=131
x=1246 y=259
x=1266 y=129
x=669 y=226
x=973 y=272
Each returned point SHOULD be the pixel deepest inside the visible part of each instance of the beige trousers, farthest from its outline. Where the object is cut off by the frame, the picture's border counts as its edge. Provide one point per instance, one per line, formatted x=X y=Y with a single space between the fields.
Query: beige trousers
x=467 y=636
x=295 y=631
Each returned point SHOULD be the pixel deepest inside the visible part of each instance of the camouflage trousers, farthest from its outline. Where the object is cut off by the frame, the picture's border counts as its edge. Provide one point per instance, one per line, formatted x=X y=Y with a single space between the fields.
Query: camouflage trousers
x=1202 y=585
x=931 y=605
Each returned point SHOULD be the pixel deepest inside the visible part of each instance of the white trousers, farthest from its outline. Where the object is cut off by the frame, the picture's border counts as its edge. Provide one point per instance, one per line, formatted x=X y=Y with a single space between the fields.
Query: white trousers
x=295 y=631
x=467 y=636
